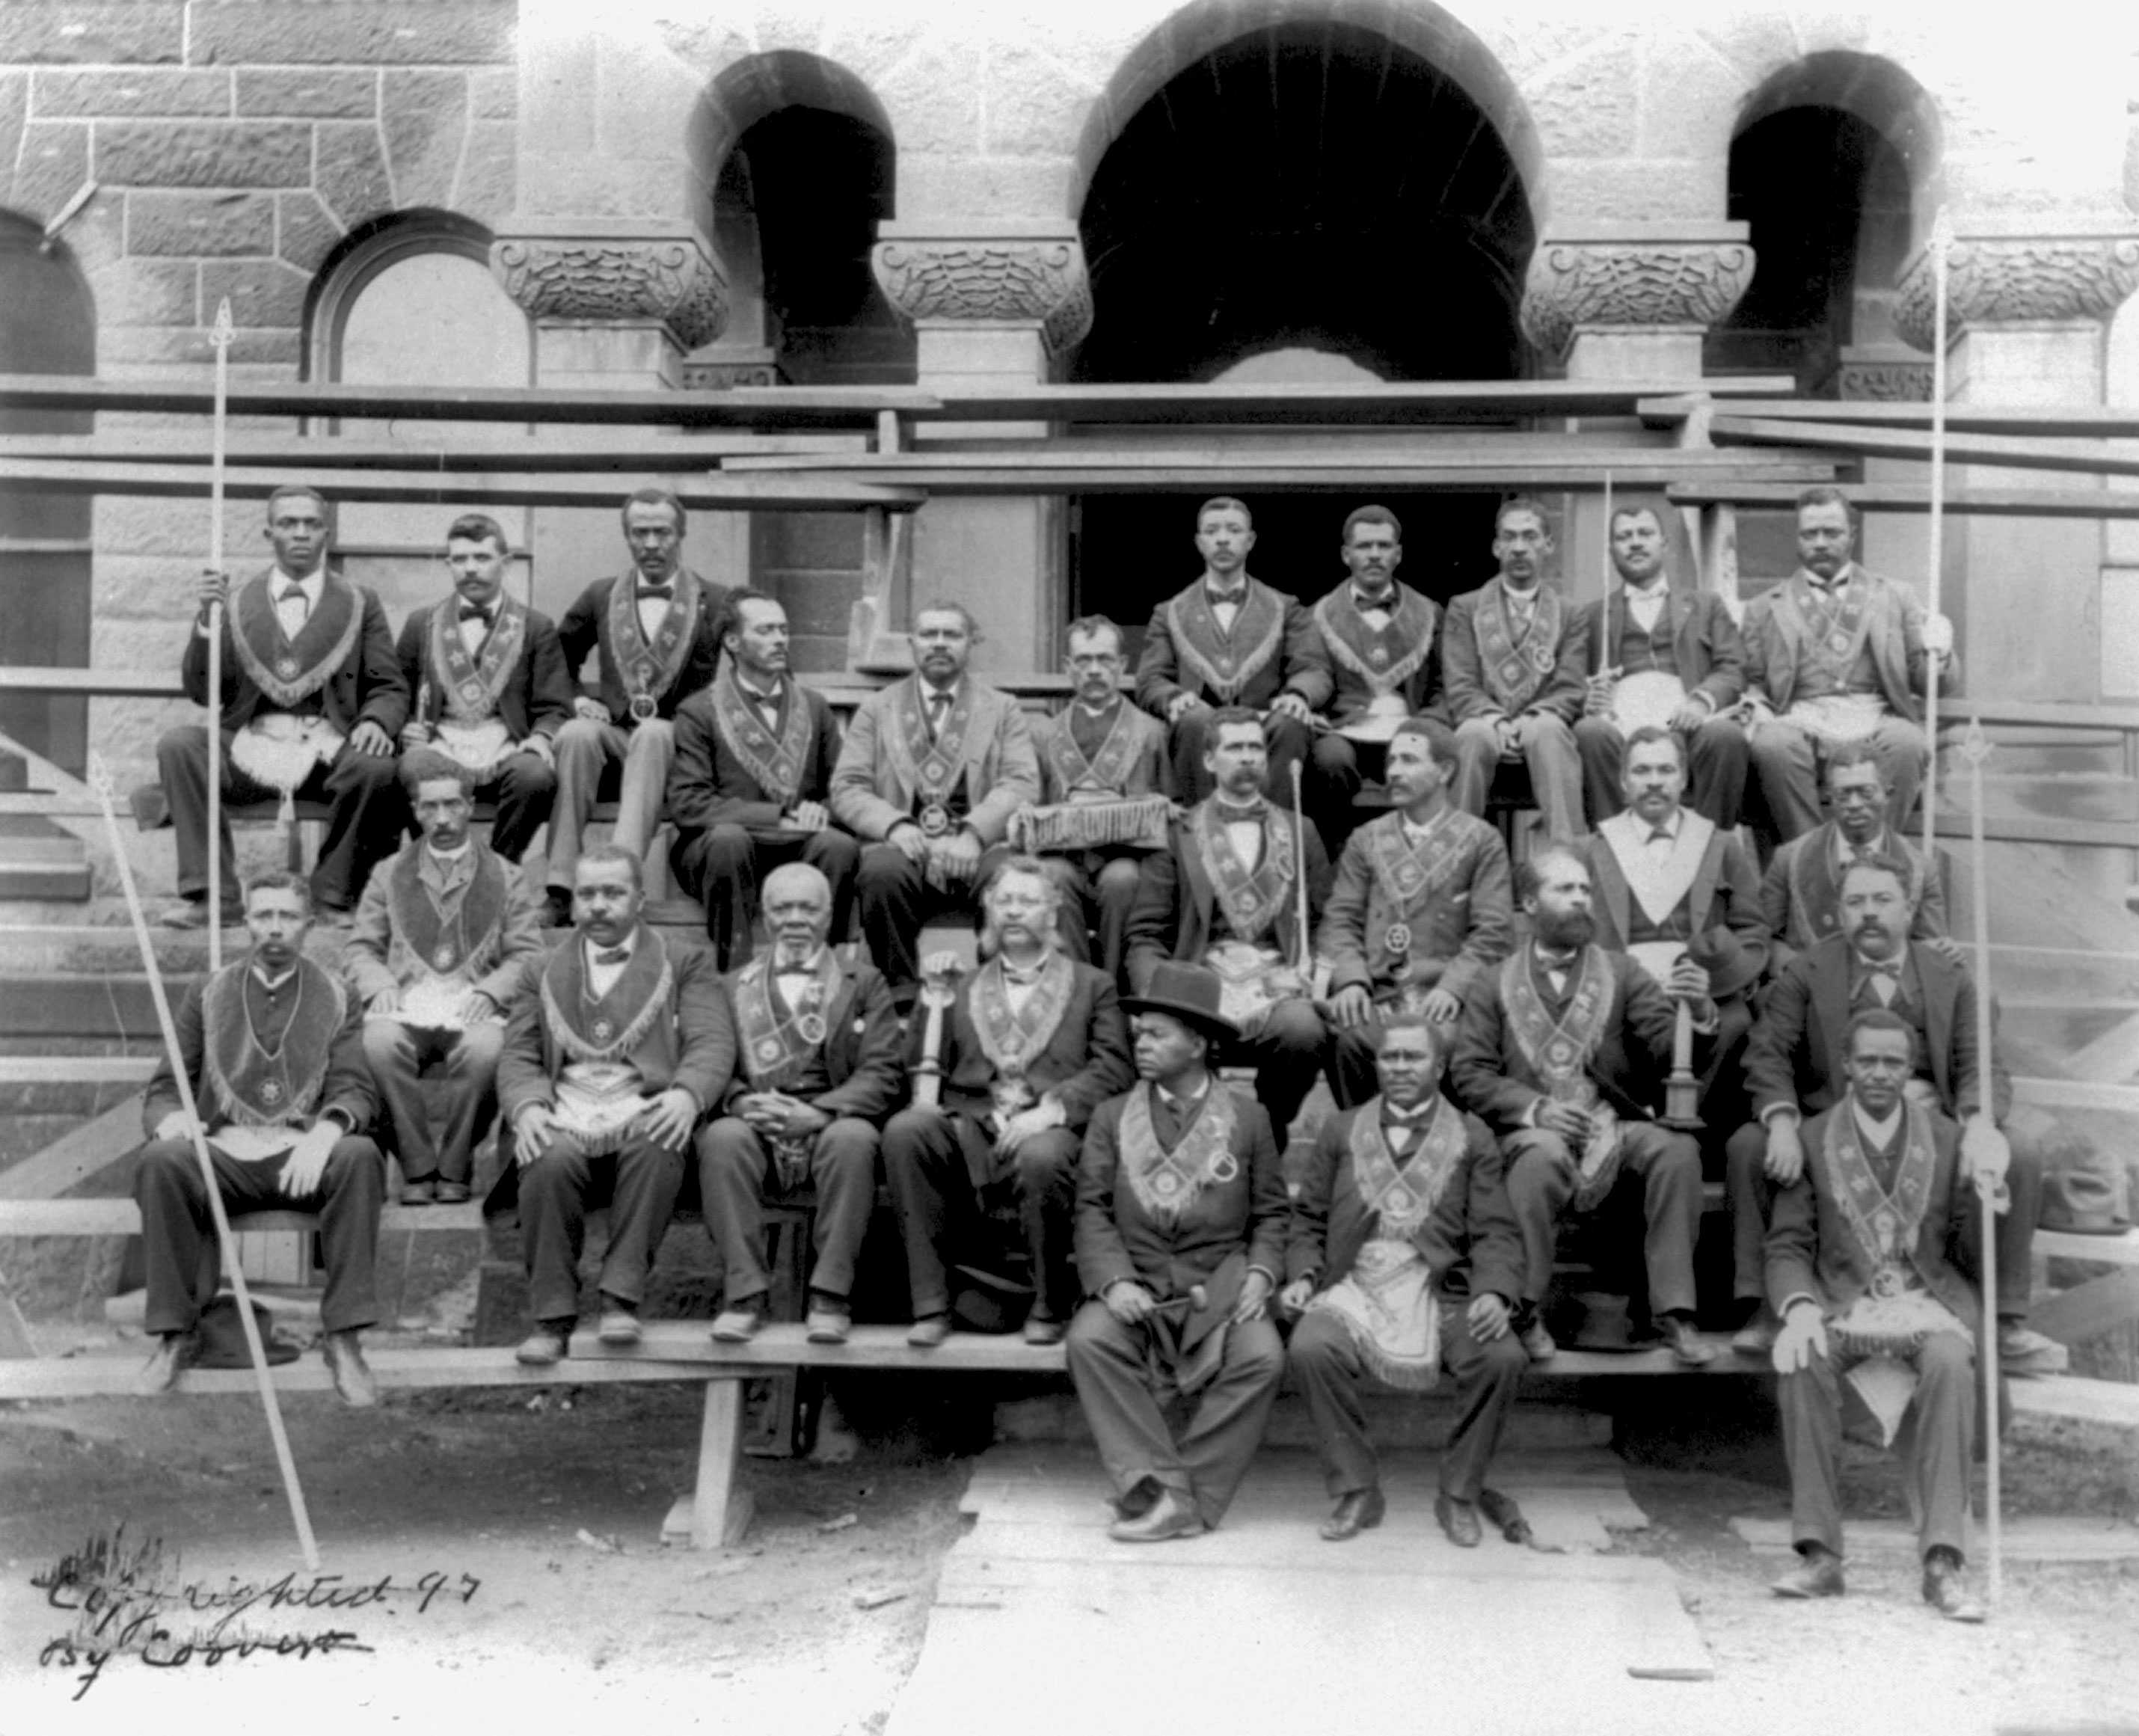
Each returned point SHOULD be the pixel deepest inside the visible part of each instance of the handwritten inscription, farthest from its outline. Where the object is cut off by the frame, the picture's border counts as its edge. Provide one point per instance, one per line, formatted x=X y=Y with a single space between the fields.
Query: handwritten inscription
x=130 y=1599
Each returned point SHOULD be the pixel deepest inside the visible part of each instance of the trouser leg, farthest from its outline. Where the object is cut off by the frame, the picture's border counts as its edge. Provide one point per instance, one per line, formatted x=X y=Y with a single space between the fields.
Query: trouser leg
x=523 y=789
x=1114 y=893
x=182 y=768
x=1668 y=1165
x=1783 y=761
x=719 y=866
x=1944 y=1412
x=1722 y=1101
x=1107 y=1363
x=648 y=1176
x=652 y=750
x=1326 y=1366
x=892 y=894
x=1045 y=1173
x=1334 y=780
x=1485 y=1377
x=1540 y=1172
x=1352 y=1078
x=1477 y=760
x=1287 y=1055
x=553 y=1226
x=1231 y=1414
x=1752 y=1198
x=1602 y=749
x=731 y=1171
x=585 y=750
x=1903 y=752
x=1716 y=760
x=1072 y=892
x=177 y=1236
x=836 y=855
x=1291 y=743
x=470 y=1097
x=1555 y=775
x=367 y=814
x=395 y=1054
x=352 y=1189
x=1189 y=735
x=925 y=1169
x=843 y=1165
x=1810 y=1400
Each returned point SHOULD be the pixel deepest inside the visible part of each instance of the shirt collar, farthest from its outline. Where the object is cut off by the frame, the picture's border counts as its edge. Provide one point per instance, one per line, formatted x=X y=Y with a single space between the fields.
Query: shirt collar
x=1845 y=853
x=1657 y=588
x=1879 y=1133
x=1543 y=953
x=1178 y=1104
x=929 y=690
x=1388 y=604
x=1235 y=592
x=1673 y=826
x=1106 y=710
x=763 y=696
x=627 y=945
x=449 y=856
x=808 y=967
x=310 y=584
x=1523 y=600
x=1862 y=966
x=1407 y=1118
x=261 y=976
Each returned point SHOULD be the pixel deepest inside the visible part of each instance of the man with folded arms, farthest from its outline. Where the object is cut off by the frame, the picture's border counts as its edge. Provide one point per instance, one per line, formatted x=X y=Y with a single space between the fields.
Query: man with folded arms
x=818 y=1050
x=440 y=941
x=1405 y=1258
x=274 y=1048
x=1182 y=1216
x=615 y=1051
x=1868 y=1265
x=1030 y=1044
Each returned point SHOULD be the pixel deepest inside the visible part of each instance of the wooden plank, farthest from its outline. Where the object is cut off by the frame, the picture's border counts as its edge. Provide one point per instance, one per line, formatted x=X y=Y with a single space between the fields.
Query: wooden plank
x=2005 y=451
x=111 y=1216
x=2075 y=423
x=1481 y=455
x=2088 y=1310
x=2118 y=834
x=2119 y=1250
x=76 y=1069
x=1398 y=402
x=620 y=450
x=720 y=1512
x=1916 y=497
x=2110 y=1404
x=75 y=1156
x=2034 y=713
x=104 y=1374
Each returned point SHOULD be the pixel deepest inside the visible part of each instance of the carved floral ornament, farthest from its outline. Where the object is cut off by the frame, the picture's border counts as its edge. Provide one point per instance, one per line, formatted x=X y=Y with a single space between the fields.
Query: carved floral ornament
x=1993 y=281
x=672 y=280
x=1576 y=284
x=991 y=282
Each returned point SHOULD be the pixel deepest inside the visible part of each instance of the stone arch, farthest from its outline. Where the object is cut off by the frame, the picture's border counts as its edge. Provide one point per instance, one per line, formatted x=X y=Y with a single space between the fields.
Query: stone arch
x=749 y=90
x=1881 y=93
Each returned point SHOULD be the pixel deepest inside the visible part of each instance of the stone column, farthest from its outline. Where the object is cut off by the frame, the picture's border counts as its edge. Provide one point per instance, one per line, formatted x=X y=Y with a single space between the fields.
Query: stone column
x=2025 y=323
x=616 y=303
x=1629 y=301
x=995 y=304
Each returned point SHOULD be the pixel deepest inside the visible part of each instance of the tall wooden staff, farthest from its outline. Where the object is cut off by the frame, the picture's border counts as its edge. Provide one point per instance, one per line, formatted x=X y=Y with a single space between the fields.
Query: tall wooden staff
x=1941 y=240
x=1975 y=749
x=219 y=336
x=1299 y=890
x=1604 y=614
x=100 y=780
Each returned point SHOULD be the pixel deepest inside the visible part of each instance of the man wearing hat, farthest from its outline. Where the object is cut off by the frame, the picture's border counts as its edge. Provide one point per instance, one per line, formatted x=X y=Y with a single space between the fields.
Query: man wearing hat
x=1182 y=1216
x=1562 y=1051
x=1678 y=895
x=1227 y=895
x=1869 y=1265
x=1029 y=1045
x=1405 y=1259
x=1793 y=1071
x=1420 y=911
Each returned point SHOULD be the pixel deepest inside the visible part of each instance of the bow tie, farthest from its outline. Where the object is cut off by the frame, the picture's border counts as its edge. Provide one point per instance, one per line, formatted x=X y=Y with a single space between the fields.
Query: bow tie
x=1891 y=973
x=294 y=594
x=656 y=593
x=612 y=955
x=1556 y=962
x=1367 y=605
x=1227 y=600
x=477 y=612
x=1661 y=834
x=1230 y=815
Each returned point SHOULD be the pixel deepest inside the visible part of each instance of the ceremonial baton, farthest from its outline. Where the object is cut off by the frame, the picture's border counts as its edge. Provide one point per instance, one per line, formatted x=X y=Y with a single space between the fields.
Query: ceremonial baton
x=100 y=781
x=1941 y=240
x=1975 y=749
x=1299 y=863
x=219 y=336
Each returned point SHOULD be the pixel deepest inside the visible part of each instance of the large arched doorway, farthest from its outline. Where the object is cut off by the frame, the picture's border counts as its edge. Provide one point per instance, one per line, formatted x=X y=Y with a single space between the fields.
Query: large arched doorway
x=1301 y=202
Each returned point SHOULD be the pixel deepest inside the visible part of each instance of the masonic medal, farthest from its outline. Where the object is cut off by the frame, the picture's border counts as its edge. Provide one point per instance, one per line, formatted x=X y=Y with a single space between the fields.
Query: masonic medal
x=442 y=959
x=811 y=1026
x=935 y=820
x=270 y=1092
x=1397 y=937
x=604 y=1031
x=286 y=667
x=643 y=707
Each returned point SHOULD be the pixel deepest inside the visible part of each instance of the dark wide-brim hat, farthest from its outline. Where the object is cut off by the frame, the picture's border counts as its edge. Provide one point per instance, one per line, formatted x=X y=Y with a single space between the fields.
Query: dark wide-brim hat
x=221 y=1331
x=1602 y=1322
x=1189 y=993
x=2089 y=1196
x=1732 y=966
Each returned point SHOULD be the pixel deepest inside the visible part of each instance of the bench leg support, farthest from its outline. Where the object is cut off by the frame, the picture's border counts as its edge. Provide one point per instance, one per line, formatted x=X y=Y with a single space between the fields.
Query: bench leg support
x=716 y=1513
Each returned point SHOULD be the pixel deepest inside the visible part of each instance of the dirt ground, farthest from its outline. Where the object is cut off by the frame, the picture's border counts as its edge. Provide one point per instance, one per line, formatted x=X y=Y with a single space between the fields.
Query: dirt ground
x=552 y=1506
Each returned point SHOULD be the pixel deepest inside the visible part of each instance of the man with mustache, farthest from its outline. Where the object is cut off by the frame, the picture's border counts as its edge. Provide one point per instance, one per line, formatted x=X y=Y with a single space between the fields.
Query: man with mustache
x=1834 y=654
x=1514 y=657
x=932 y=769
x=1562 y=1051
x=656 y=634
x=1794 y=1072
x=819 y=1070
x=1032 y=1042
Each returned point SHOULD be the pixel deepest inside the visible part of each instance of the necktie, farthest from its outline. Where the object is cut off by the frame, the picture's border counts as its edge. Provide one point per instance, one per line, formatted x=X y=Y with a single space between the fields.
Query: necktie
x=475 y=612
x=612 y=955
x=939 y=708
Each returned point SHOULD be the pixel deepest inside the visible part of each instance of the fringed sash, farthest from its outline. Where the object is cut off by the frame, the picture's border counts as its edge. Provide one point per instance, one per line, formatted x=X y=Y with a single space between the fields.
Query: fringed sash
x=1413 y=875
x=779 y=1040
x=1166 y=1183
x=445 y=937
x=774 y=761
x=1012 y=1037
x=288 y=670
x=1107 y=771
x=1402 y=1198
x=1378 y=657
x=648 y=669
x=1252 y=900
x=1558 y=1051
x=1834 y=632
x=609 y=1028
x=1224 y=663
x=470 y=687
x=931 y=767
x=1515 y=668
x=258 y=1087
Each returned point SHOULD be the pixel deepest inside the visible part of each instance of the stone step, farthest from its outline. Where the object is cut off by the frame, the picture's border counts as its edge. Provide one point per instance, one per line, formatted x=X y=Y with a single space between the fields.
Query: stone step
x=2072 y=794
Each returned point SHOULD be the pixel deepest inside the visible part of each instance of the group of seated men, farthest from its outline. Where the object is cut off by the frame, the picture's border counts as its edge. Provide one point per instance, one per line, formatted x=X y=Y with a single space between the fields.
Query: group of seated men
x=1028 y=1103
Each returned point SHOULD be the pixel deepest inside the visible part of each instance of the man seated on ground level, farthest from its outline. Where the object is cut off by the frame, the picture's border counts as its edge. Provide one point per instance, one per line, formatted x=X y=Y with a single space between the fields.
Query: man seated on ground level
x=930 y=771
x=1562 y=1051
x=1104 y=784
x=1791 y=1073
x=1226 y=895
x=437 y=953
x=1514 y=657
x=1834 y=654
x=1181 y=1224
x=1385 y=665
x=656 y=630
x=1666 y=655
x=1801 y=893
x=1420 y=910
x=1028 y=1046
x=1404 y=1261
x=489 y=683
x=1868 y=1265
x=273 y=1050
x=312 y=701
x=1230 y=640
x=755 y=753
x=819 y=1069
x=1678 y=895
x=617 y=1049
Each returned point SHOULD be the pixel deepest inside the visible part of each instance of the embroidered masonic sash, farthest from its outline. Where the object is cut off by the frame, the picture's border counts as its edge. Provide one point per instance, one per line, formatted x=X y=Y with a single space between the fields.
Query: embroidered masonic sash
x=1833 y=633
x=1515 y=670
x=777 y=1041
x=1412 y=876
x=288 y=671
x=1816 y=891
x=444 y=939
x=1403 y=1197
x=931 y=769
x=470 y=687
x=1106 y=774
x=774 y=761
x=1558 y=1051
x=1223 y=662
x=1166 y=1183
x=1251 y=900
x=1384 y=660
x=607 y=1030
x=1013 y=1038
x=648 y=669
x=257 y=1089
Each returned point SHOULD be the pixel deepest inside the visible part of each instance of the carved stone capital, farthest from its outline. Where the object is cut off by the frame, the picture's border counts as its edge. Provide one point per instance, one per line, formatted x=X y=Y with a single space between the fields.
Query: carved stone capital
x=1575 y=283
x=616 y=274
x=1004 y=279
x=2017 y=279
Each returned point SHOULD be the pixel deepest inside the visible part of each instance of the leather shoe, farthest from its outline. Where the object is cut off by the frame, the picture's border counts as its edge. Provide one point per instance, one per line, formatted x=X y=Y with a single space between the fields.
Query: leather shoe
x=1685 y=1344
x=543 y=1346
x=1818 y=1574
x=738 y=1324
x=1756 y=1338
x=1168 y=1517
x=1945 y=1591
x=1357 y=1510
x=192 y=913
x=1044 y=1329
x=1459 y=1520
x=1501 y=1511
x=353 y=1379
x=173 y=1354
x=619 y=1328
x=828 y=1325
x=1537 y=1342
x=453 y=1193
x=929 y=1332
x=2022 y=1353
x=419 y=1193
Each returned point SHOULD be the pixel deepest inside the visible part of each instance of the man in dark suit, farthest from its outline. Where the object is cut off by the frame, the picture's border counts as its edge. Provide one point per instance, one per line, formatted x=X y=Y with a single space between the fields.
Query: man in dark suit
x=489 y=688
x=1869 y=1265
x=1514 y=657
x=1561 y=1052
x=819 y=1070
x=1231 y=640
x=657 y=630
x=1028 y=1047
x=1181 y=1226
x=312 y=704
x=1793 y=1068
x=755 y=754
x=1405 y=1257
x=1685 y=646
x=1226 y=895
x=619 y=1047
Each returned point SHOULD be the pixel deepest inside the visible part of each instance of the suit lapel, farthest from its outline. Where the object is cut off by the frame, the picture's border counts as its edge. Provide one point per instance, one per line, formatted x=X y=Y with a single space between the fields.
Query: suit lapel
x=1940 y=984
x=1831 y=1005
